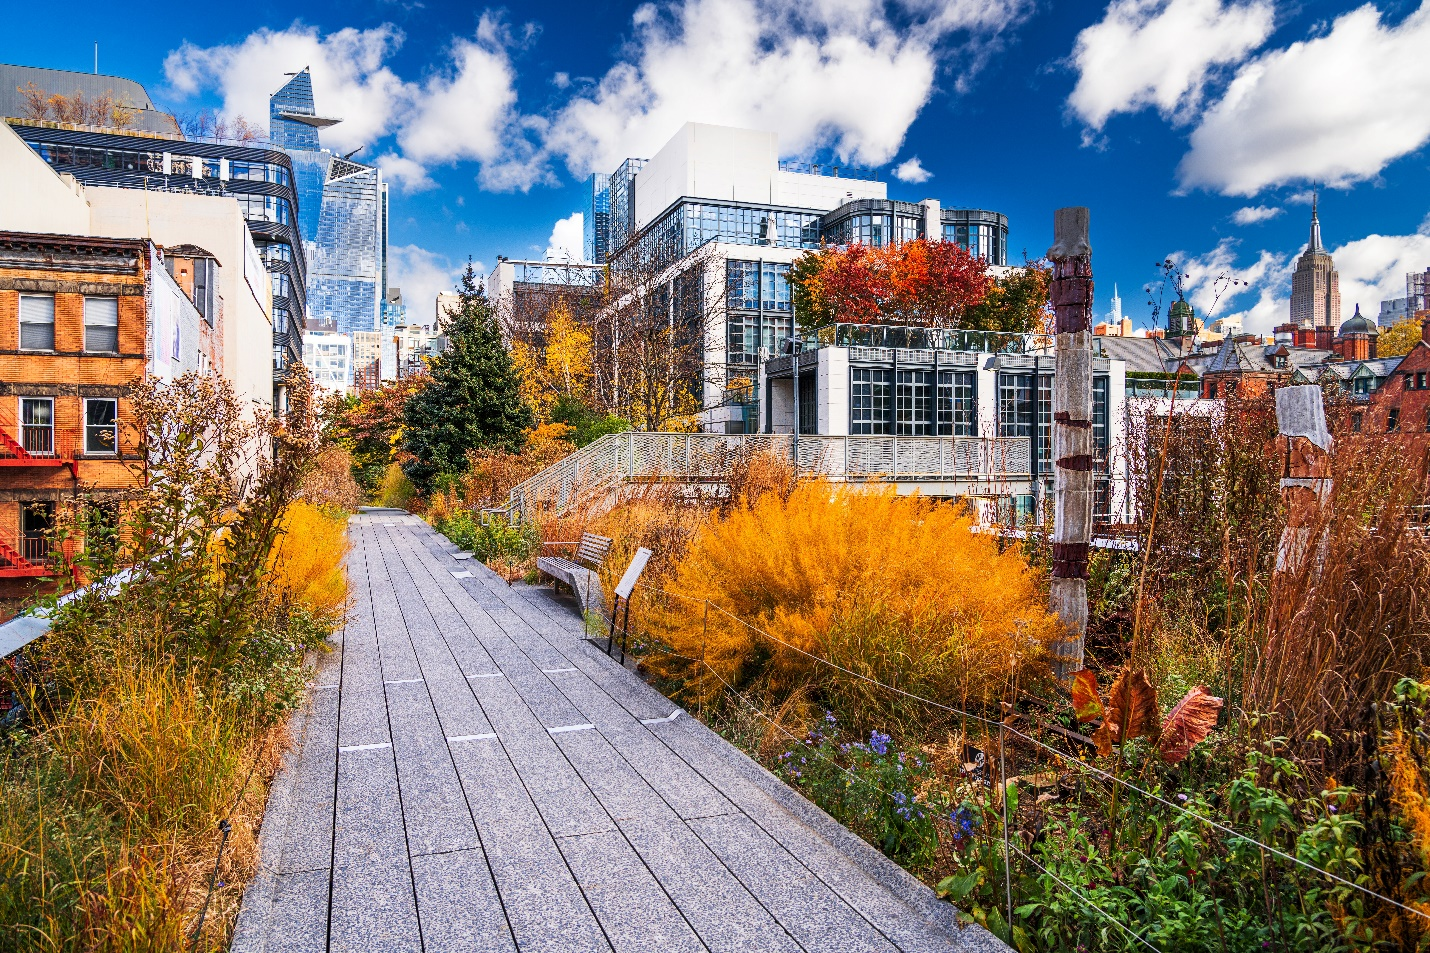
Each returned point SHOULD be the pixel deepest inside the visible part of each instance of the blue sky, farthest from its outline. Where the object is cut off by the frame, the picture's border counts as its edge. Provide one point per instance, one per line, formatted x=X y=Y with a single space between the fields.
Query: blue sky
x=1192 y=128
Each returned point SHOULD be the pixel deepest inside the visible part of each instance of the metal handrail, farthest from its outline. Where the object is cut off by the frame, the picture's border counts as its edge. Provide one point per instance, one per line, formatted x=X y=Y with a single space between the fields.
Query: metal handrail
x=708 y=458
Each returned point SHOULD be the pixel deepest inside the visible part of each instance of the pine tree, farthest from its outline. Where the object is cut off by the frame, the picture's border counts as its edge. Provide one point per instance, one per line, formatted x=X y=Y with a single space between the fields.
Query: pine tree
x=473 y=400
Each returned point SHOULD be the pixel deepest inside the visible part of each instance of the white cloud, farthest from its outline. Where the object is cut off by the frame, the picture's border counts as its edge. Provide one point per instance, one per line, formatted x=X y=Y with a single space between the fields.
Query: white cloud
x=421 y=274
x=912 y=170
x=1336 y=108
x=463 y=113
x=1373 y=269
x=1253 y=214
x=1160 y=53
x=568 y=239
x=349 y=79
x=827 y=73
x=403 y=172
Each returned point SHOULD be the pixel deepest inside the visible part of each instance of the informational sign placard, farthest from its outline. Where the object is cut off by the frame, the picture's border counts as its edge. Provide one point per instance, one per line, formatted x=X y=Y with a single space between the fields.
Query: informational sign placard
x=627 y=584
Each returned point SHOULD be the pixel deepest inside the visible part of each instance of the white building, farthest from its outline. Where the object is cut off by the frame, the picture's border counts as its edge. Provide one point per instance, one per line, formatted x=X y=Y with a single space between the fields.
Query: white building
x=726 y=195
x=329 y=358
x=956 y=413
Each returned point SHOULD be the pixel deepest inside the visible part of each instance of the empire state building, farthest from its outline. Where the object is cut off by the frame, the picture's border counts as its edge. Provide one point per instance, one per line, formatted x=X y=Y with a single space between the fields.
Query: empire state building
x=1315 y=287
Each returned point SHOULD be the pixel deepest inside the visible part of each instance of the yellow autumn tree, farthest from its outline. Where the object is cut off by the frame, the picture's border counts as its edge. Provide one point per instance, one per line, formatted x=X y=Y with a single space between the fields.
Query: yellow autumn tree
x=896 y=588
x=1400 y=338
x=560 y=365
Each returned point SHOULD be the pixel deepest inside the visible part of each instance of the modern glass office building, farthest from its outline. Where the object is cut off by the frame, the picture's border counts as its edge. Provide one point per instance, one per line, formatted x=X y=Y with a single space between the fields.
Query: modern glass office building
x=597 y=224
x=343 y=216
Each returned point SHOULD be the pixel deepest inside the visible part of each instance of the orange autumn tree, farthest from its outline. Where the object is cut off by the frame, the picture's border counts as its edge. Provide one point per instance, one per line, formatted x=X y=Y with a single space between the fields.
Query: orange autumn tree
x=919 y=282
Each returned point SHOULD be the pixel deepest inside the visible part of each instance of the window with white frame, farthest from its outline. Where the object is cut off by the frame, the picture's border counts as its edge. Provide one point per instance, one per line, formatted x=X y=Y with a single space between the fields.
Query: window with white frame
x=37 y=425
x=37 y=322
x=101 y=324
x=101 y=426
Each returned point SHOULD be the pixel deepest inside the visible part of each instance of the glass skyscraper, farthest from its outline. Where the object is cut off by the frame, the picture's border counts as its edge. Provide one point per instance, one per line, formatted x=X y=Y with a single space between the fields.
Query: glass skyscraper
x=342 y=215
x=598 y=218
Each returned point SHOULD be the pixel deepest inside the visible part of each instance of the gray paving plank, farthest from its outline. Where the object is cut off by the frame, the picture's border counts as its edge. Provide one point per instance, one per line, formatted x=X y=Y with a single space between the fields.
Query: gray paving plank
x=632 y=908
x=725 y=915
x=812 y=913
x=433 y=805
x=298 y=917
x=457 y=904
x=542 y=900
x=368 y=829
x=374 y=909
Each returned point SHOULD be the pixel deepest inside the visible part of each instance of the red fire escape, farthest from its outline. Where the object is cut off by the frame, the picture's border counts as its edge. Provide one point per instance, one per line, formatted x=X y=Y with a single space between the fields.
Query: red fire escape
x=38 y=446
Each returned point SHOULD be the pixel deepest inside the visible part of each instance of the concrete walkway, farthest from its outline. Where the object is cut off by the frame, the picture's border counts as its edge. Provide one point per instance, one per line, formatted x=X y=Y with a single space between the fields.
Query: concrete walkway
x=472 y=775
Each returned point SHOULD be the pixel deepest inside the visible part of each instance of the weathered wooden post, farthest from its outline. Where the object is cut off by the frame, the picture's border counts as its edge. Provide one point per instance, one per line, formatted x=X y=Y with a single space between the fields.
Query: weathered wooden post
x=1072 y=434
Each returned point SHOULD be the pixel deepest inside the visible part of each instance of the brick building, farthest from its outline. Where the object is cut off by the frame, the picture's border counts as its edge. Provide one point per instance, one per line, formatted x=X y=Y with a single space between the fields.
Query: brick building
x=81 y=319
x=1402 y=404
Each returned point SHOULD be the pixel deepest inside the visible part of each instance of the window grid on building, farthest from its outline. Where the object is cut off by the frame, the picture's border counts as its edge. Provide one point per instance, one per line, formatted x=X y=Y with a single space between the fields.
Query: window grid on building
x=37 y=322
x=915 y=403
x=101 y=427
x=870 y=400
x=1015 y=405
x=957 y=408
x=1045 y=423
x=101 y=324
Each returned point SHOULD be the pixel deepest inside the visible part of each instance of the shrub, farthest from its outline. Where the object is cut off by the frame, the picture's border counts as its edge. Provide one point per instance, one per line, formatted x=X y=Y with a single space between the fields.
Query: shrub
x=490 y=538
x=305 y=565
x=396 y=490
x=152 y=708
x=893 y=587
x=331 y=482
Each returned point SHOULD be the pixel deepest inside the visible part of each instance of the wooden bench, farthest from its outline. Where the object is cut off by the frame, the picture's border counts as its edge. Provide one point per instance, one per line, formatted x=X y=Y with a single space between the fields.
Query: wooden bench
x=582 y=573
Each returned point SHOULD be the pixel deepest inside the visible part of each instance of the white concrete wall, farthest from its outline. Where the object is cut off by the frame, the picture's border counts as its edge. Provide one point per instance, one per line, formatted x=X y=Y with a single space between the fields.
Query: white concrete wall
x=834 y=391
x=823 y=192
x=35 y=198
x=740 y=165
x=173 y=327
x=215 y=224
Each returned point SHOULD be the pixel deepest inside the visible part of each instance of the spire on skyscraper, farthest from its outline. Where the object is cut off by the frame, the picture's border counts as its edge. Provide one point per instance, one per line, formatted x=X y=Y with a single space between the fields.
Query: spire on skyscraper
x=1315 y=223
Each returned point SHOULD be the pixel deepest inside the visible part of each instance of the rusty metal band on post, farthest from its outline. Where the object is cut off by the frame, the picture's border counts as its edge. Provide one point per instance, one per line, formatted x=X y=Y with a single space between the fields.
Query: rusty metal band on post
x=1063 y=417
x=1071 y=294
x=1070 y=560
x=1078 y=461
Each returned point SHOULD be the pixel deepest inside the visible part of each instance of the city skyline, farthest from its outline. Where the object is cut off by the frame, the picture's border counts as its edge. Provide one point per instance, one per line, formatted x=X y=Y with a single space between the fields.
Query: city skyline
x=1192 y=129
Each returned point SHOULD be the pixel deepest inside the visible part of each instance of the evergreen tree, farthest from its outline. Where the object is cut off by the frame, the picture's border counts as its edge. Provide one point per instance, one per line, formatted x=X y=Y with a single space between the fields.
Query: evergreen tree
x=473 y=399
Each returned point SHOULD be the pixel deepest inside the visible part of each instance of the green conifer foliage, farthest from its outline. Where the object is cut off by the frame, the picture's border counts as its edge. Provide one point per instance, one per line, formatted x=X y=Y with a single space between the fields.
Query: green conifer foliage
x=473 y=400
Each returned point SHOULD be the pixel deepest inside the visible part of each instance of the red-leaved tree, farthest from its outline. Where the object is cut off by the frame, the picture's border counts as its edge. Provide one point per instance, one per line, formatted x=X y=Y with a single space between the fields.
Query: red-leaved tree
x=923 y=283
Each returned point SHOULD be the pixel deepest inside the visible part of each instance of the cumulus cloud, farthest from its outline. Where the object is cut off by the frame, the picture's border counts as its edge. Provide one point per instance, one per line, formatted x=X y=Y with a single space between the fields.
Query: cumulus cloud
x=1336 y=108
x=1373 y=269
x=406 y=174
x=421 y=274
x=912 y=170
x=1160 y=53
x=822 y=74
x=462 y=112
x=350 y=80
x=568 y=239
x=1253 y=214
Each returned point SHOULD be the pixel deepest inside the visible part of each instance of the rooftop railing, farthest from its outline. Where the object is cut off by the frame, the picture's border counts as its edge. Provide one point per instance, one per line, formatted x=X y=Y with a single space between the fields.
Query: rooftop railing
x=834 y=171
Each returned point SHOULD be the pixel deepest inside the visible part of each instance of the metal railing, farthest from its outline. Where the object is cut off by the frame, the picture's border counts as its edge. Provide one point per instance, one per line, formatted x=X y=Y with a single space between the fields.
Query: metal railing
x=709 y=458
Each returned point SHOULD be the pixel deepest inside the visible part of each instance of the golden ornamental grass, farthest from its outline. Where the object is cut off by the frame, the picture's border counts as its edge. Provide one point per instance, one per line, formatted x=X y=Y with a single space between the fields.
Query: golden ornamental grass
x=896 y=588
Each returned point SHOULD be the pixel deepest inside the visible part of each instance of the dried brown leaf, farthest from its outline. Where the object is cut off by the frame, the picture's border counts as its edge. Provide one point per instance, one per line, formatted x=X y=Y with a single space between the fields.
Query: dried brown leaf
x=1087 y=705
x=1188 y=723
x=1131 y=707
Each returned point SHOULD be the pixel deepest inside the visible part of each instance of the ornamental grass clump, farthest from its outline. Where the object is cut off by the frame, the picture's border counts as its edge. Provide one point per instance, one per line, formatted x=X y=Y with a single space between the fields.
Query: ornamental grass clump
x=893 y=588
x=152 y=711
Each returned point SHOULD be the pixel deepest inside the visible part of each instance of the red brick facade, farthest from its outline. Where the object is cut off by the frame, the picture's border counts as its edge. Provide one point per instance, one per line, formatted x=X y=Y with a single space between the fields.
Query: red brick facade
x=65 y=423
